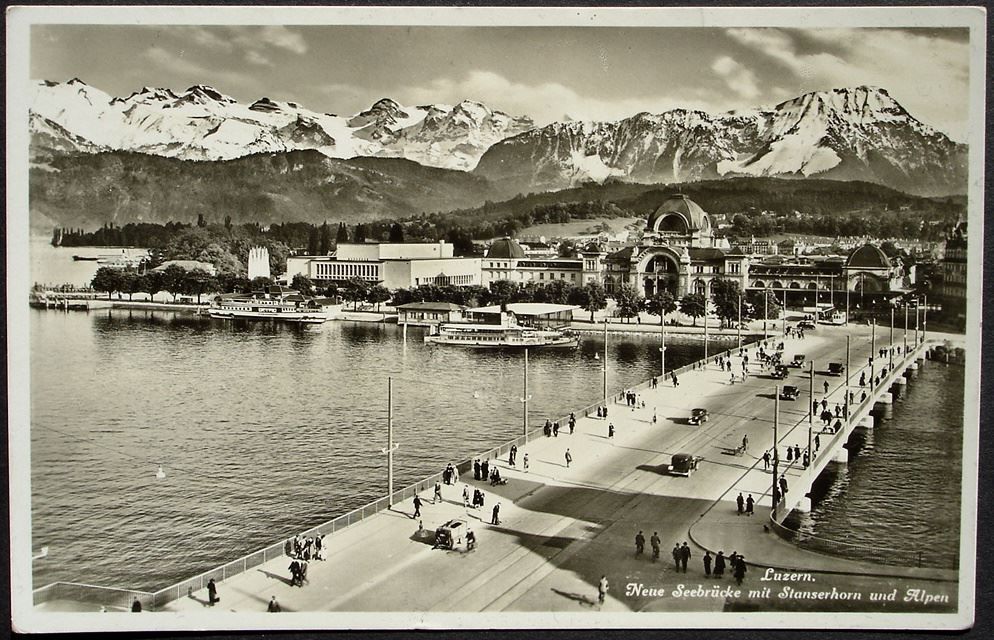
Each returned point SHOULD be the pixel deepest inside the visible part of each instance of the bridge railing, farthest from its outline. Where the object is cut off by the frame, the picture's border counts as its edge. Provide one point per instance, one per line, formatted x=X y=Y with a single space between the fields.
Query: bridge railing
x=108 y=597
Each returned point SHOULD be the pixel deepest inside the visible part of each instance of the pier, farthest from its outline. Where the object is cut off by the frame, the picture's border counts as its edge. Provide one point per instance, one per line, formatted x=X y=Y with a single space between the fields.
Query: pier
x=563 y=526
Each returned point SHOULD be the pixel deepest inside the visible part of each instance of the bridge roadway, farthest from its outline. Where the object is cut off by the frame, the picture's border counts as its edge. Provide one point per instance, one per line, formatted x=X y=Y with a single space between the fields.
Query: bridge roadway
x=562 y=528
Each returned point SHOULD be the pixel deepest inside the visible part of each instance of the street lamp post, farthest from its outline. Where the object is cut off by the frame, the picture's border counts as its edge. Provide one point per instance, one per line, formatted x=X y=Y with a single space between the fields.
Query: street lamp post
x=847 y=299
x=740 y=321
x=891 y=349
x=706 y=332
x=785 y=312
x=846 y=399
x=904 y=351
x=873 y=348
x=605 y=363
x=391 y=447
x=811 y=413
x=924 y=317
x=662 y=346
x=766 y=311
x=917 y=313
x=776 y=440
x=524 y=401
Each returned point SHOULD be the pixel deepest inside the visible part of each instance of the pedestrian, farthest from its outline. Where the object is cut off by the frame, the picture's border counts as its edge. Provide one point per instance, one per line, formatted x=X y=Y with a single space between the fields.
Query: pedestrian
x=790 y=454
x=438 y=493
x=676 y=382
x=740 y=569
x=465 y=496
x=826 y=387
x=494 y=519
x=817 y=442
x=476 y=469
x=824 y=404
x=677 y=555
x=598 y=411
x=719 y=565
x=136 y=606
x=745 y=442
x=766 y=460
x=274 y=607
x=569 y=458
x=807 y=459
x=750 y=504
x=852 y=397
x=524 y=461
x=572 y=423
x=417 y=507
x=783 y=484
x=707 y=564
x=602 y=589
x=212 y=592
x=814 y=406
x=610 y=430
x=797 y=452
x=295 y=573
x=555 y=428
x=485 y=470
x=740 y=503
x=654 y=415
x=639 y=543
x=684 y=556
x=512 y=455
x=605 y=413
x=654 y=542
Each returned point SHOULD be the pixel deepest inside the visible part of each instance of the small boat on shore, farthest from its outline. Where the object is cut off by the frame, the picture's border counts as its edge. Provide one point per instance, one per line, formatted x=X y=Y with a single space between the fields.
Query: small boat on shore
x=86 y=258
x=507 y=334
x=274 y=303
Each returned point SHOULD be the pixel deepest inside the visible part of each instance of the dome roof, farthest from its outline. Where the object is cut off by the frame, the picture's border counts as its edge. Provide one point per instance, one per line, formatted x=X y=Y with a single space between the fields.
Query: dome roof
x=505 y=248
x=868 y=257
x=678 y=213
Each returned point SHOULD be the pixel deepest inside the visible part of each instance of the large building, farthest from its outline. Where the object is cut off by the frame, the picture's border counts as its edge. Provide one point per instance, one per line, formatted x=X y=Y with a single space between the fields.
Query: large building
x=952 y=286
x=394 y=265
x=507 y=260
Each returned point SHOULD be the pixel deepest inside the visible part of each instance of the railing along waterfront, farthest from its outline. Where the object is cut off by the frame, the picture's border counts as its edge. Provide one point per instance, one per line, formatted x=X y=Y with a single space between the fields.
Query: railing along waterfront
x=868 y=553
x=108 y=597
x=189 y=586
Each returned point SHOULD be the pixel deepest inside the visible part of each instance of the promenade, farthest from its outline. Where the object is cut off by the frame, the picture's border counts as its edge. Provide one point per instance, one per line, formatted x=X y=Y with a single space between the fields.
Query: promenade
x=562 y=528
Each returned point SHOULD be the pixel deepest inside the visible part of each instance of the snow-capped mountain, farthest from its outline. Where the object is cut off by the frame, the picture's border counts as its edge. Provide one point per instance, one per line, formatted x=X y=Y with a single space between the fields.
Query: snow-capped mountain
x=851 y=133
x=202 y=123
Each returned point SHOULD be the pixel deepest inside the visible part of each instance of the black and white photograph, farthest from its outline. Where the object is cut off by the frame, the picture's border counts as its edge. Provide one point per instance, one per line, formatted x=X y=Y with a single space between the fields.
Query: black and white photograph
x=492 y=318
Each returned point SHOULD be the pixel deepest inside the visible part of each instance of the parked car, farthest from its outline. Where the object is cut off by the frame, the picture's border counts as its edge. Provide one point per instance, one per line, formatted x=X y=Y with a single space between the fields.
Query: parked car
x=836 y=369
x=780 y=371
x=453 y=534
x=806 y=324
x=789 y=392
x=698 y=416
x=798 y=360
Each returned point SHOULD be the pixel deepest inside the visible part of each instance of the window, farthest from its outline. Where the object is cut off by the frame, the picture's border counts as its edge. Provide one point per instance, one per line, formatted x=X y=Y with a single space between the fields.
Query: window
x=541 y=276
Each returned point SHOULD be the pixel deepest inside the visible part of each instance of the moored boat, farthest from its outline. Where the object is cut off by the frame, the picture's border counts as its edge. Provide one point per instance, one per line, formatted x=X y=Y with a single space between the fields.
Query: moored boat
x=507 y=334
x=274 y=303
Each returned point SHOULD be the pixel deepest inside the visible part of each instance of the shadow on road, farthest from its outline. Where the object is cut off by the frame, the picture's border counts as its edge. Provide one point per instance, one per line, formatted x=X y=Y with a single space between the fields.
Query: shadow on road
x=577 y=597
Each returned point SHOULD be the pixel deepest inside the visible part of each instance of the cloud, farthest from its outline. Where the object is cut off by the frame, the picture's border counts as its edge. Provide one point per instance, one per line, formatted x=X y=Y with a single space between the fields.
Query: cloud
x=738 y=78
x=547 y=102
x=283 y=38
x=926 y=73
x=254 y=57
x=192 y=73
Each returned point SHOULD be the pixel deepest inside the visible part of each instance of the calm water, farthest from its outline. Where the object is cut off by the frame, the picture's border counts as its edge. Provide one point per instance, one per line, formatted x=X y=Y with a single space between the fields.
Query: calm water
x=902 y=488
x=55 y=266
x=262 y=430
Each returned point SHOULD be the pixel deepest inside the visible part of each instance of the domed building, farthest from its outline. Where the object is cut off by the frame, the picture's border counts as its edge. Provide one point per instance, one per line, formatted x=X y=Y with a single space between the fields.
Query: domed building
x=505 y=248
x=677 y=253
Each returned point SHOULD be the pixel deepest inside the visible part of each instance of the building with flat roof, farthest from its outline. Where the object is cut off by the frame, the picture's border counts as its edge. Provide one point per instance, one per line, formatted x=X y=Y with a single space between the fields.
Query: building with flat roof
x=393 y=265
x=536 y=314
x=429 y=313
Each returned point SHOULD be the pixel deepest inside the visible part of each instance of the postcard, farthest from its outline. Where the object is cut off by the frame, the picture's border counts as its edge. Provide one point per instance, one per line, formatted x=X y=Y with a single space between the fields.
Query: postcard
x=405 y=318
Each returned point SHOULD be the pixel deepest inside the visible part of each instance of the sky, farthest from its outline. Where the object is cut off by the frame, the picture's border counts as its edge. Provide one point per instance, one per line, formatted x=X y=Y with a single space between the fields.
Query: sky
x=548 y=73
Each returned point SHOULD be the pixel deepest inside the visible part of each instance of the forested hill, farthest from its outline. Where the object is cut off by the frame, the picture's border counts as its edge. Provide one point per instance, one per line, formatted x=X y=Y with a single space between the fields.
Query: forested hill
x=819 y=206
x=87 y=191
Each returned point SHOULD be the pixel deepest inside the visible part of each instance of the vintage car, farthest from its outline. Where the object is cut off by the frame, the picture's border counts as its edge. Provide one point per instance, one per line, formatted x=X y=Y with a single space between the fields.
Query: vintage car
x=806 y=324
x=798 y=360
x=698 y=416
x=780 y=372
x=454 y=534
x=789 y=392
x=683 y=464
x=836 y=368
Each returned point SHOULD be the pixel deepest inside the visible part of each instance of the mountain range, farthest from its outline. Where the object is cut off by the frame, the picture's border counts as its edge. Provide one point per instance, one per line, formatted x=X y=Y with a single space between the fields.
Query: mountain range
x=459 y=155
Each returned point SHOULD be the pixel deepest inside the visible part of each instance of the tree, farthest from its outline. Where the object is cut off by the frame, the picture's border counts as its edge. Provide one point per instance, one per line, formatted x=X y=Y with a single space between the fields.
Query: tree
x=629 y=302
x=324 y=243
x=260 y=283
x=661 y=304
x=343 y=233
x=360 y=233
x=396 y=232
x=174 y=279
x=757 y=305
x=302 y=284
x=233 y=282
x=150 y=282
x=725 y=295
x=557 y=292
x=131 y=283
x=502 y=291
x=312 y=240
x=198 y=282
x=377 y=294
x=355 y=290
x=592 y=297
x=107 y=279
x=694 y=305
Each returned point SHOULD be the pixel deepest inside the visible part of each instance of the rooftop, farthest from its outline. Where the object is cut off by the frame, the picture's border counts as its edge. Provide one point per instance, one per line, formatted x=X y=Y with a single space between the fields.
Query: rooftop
x=528 y=308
